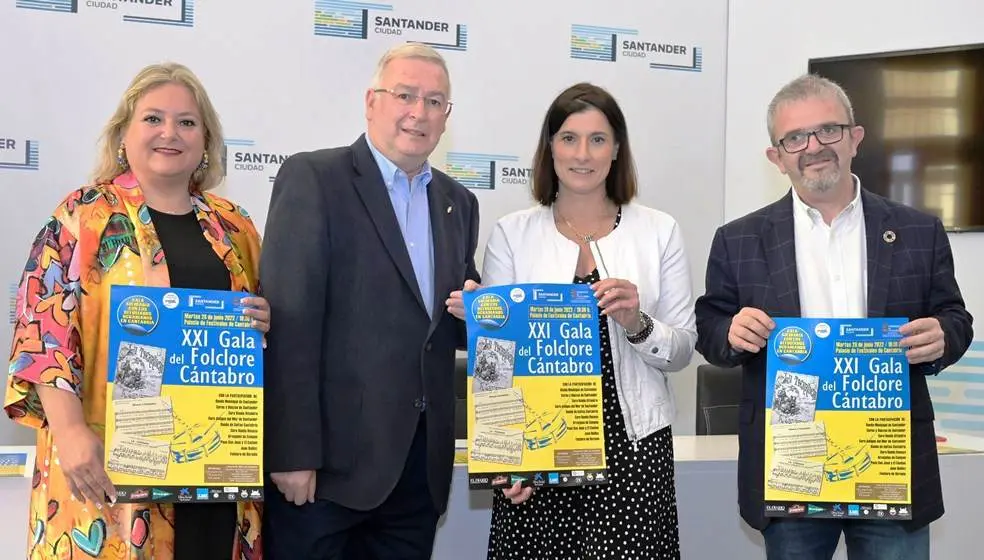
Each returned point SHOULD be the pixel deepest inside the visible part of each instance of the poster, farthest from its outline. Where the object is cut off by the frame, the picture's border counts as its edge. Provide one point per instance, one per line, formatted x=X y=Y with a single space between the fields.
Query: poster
x=184 y=403
x=534 y=387
x=16 y=461
x=837 y=424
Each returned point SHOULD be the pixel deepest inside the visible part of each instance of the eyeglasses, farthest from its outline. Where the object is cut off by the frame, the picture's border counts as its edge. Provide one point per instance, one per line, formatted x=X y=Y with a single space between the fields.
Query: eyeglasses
x=432 y=104
x=798 y=140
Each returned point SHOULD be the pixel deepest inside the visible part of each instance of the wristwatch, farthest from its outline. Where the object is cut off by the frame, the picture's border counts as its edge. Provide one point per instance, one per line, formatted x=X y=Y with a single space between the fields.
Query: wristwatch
x=647 y=329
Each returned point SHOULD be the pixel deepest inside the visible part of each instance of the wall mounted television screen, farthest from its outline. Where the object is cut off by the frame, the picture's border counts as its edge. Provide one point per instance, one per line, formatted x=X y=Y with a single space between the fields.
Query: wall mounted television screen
x=923 y=115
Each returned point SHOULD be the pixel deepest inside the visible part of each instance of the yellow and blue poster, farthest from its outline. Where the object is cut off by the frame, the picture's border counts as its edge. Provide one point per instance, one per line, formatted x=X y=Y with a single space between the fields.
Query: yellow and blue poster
x=837 y=435
x=184 y=404
x=16 y=461
x=534 y=402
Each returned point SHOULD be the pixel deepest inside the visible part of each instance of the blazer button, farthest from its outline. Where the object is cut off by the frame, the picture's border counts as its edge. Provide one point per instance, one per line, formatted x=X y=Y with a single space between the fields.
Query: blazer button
x=428 y=347
x=419 y=403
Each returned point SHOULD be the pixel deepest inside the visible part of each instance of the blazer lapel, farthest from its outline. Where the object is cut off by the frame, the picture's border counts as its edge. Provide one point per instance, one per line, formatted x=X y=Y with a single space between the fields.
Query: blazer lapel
x=441 y=214
x=779 y=243
x=880 y=236
x=372 y=190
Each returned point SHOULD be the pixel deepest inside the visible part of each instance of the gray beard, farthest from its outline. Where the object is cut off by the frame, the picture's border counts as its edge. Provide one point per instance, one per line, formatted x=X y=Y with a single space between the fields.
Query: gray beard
x=823 y=183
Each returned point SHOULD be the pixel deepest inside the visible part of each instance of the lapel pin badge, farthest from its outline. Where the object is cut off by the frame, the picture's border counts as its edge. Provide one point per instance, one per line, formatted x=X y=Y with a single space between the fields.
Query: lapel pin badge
x=889 y=236
x=449 y=209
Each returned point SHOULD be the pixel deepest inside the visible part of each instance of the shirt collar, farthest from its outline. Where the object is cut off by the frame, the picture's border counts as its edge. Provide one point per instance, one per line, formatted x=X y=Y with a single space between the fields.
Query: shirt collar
x=803 y=209
x=391 y=171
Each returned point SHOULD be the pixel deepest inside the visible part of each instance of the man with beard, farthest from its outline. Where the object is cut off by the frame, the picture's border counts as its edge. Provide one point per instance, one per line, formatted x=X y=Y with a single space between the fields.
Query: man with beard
x=830 y=248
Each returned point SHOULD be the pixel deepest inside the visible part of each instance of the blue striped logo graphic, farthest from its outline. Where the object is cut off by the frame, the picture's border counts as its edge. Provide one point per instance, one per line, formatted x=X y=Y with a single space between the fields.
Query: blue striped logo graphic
x=338 y=18
x=593 y=42
x=68 y=6
x=239 y=142
x=187 y=18
x=958 y=393
x=475 y=171
x=31 y=158
x=590 y=42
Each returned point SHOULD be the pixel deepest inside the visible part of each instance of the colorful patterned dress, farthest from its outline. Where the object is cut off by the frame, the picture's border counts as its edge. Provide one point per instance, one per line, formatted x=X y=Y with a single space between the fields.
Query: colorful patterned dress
x=99 y=236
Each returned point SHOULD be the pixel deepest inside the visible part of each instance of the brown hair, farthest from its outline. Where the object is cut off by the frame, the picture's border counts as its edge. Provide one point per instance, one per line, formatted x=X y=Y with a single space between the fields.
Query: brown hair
x=621 y=183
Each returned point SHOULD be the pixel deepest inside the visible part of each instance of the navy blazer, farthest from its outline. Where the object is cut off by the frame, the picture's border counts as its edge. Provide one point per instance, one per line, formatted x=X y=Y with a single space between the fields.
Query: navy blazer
x=352 y=357
x=753 y=264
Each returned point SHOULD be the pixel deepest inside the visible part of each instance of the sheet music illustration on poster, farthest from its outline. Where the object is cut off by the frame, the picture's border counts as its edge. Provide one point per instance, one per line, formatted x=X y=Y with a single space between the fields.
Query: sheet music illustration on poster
x=184 y=414
x=534 y=395
x=837 y=419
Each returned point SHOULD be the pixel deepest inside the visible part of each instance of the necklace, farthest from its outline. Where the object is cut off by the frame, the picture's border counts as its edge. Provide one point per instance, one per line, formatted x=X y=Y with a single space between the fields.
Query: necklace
x=587 y=238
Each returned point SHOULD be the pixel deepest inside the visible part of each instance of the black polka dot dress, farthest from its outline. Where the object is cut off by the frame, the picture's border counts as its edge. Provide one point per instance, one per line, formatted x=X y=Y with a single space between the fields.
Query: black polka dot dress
x=634 y=516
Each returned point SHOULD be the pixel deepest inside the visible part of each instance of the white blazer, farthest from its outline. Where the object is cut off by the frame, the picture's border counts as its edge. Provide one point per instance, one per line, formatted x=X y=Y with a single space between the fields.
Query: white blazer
x=646 y=249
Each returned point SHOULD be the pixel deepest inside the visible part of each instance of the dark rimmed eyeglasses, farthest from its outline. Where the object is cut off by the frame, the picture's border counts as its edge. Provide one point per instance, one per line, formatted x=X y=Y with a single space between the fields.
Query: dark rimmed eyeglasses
x=798 y=140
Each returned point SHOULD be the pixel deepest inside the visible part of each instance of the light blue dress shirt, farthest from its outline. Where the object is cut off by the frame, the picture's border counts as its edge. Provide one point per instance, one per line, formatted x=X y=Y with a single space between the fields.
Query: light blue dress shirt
x=409 y=200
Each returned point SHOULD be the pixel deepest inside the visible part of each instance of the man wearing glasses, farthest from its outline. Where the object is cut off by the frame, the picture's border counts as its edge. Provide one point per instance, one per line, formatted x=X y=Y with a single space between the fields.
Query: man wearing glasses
x=363 y=245
x=830 y=248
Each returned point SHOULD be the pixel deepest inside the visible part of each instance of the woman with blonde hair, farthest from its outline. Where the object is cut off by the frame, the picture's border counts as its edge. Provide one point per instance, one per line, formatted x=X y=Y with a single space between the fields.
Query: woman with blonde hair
x=149 y=219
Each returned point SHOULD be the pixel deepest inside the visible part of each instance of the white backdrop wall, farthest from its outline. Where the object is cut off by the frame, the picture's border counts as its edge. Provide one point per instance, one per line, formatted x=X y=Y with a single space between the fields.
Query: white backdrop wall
x=291 y=76
x=763 y=55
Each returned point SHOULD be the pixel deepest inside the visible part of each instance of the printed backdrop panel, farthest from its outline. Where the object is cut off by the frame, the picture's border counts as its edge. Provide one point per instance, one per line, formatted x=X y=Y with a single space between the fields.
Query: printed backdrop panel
x=291 y=76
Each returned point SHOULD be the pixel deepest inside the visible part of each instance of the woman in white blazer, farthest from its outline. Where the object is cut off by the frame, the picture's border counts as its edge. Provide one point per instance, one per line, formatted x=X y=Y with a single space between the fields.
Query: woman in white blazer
x=587 y=229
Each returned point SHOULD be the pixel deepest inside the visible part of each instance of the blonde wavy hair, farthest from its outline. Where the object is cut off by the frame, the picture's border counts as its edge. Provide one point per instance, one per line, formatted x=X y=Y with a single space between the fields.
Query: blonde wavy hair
x=152 y=76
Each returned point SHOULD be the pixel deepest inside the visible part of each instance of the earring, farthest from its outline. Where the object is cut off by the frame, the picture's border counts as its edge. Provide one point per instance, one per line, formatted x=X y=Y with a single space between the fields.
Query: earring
x=121 y=161
x=204 y=164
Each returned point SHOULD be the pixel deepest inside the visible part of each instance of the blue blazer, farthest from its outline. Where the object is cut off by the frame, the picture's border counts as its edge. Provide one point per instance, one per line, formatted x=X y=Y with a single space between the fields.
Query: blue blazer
x=352 y=357
x=753 y=264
